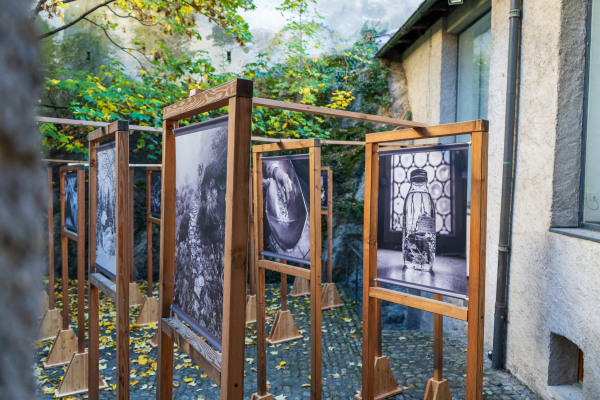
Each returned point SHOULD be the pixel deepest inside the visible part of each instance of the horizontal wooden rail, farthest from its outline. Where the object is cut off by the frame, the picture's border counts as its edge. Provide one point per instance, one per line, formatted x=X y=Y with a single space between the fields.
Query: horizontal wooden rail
x=154 y=220
x=80 y=122
x=108 y=131
x=296 y=145
x=285 y=269
x=330 y=112
x=423 y=303
x=71 y=235
x=454 y=129
x=105 y=285
x=197 y=349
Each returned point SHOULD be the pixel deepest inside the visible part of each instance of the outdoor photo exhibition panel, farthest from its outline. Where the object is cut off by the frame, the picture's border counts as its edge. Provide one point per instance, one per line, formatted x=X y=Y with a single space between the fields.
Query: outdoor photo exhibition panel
x=201 y=183
x=204 y=237
x=286 y=211
x=110 y=247
x=286 y=188
x=415 y=236
x=422 y=237
x=66 y=348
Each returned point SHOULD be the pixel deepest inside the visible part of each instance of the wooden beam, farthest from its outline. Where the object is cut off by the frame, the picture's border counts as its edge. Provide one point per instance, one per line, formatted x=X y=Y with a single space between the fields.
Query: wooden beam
x=72 y=168
x=154 y=220
x=106 y=286
x=458 y=128
x=330 y=112
x=208 y=100
x=80 y=122
x=71 y=235
x=197 y=349
x=285 y=269
x=423 y=303
x=291 y=145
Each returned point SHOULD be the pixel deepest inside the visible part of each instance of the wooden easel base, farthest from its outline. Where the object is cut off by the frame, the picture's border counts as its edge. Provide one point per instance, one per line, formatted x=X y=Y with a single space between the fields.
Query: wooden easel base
x=438 y=390
x=301 y=287
x=135 y=296
x=268 y=396
x=284 y=328
x=250 y=309
x=75 y=380
x=148 y=312
x=50 y=325
x=154 y=340
x=63 y=348
x=44 y=304
x=385 y=384
x=330 y=297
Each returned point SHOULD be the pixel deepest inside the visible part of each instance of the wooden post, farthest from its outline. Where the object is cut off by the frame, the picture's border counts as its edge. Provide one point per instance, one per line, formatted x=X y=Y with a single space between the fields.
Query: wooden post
x=330 y=296
x=284 y=327
x=135 y=296
x=164 y=374
x=64 y=243
x=50 y=323
x=438 y=387
x=477 y=249
x=149 y=231
x=93 y=292
x=251 y=298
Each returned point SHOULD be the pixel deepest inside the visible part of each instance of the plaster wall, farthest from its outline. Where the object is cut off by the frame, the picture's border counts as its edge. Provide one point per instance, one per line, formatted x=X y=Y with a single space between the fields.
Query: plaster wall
x=554 y=278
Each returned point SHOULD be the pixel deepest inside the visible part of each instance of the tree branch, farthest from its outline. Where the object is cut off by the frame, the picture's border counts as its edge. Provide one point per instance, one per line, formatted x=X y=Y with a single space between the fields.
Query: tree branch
x=130 y=16
x=82 y=16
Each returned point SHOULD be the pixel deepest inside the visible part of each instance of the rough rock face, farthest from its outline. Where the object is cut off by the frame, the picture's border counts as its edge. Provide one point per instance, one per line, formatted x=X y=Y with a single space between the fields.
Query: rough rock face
x=398 y=87
x=21 y=201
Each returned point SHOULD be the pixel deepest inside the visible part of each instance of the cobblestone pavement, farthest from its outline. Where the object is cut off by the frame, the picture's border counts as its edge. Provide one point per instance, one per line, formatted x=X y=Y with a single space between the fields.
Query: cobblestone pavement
x=410 y=354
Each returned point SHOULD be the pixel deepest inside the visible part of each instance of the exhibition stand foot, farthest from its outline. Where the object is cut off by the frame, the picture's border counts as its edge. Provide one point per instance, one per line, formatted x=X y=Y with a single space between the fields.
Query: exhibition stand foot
x=75 y=380
x=250 y=309
x=330 y=297
x=385 y=384
x=284 y=328
x=64 y=346
x=135 y=296
x=438 y=390
x=301 y=287
x=50 y=325
x=148 y=312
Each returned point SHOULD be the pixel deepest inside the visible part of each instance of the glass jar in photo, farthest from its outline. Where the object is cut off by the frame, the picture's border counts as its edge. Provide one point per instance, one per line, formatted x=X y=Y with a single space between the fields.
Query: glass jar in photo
x=418 y=225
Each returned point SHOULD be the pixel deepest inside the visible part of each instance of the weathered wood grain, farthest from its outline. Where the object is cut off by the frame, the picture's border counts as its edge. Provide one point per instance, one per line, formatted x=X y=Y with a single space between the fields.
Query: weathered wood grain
x=106 y=286
x=197 y=349
x=458 y=128
x=285 y=269
x=292 y=145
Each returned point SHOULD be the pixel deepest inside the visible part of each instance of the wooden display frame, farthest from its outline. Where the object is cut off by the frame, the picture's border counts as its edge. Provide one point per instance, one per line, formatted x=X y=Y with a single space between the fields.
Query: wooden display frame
x=149 y=309
x=313 y=274
x=135 y=295
x=251 y=298
x=65 y=344
x=373 y=293
x=225 y=370
x=330 y=296
x=118 y=291
x=50 y=322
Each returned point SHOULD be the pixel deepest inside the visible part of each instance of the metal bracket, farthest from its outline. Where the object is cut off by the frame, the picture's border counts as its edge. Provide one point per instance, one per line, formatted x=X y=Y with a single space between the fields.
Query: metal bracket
x=504 y=248
x=516 y=13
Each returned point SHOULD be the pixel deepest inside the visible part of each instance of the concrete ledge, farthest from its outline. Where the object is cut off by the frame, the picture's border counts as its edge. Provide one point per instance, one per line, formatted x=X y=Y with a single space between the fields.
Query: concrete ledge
x=567 y=392
x=579 y=233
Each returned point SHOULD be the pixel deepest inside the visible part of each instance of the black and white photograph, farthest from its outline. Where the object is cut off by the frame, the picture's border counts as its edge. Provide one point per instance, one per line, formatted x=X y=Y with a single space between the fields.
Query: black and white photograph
x=106 y=216
x=286 y=201
x=71 y=202
x=324 y=189
x=201 y=183
x=422 y=218
x=155 y=193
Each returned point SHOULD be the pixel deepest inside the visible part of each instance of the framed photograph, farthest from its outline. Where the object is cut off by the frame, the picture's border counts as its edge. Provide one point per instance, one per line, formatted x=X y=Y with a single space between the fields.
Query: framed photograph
x=71 y=201
x=324 y=189
x=106 y=217
x=201 y=183
x=422 y=227
x=286 y=194
x=155 y=193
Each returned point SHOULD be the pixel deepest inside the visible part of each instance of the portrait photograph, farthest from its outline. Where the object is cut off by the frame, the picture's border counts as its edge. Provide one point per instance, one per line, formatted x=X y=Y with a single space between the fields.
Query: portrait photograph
x=422 y=218
x=71 y=202
x=201 y=183
x=324 y=189
x=286 y=207
x=106 y=217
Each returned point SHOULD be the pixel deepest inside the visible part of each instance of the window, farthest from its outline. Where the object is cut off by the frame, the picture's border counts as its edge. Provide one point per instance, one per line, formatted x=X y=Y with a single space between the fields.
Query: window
x=590 y=198
x=473 y=77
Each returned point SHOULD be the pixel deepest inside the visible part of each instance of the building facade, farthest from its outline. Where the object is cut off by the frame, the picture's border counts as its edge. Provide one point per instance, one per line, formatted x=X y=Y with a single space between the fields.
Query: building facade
x=454 y=59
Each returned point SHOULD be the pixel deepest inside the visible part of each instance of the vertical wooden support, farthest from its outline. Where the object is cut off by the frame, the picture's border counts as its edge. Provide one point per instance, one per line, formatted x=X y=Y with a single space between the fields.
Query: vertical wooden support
x=236 y=247
x=316 y=383
x=123 y=263
x=81 y=260
x=329 y=225
x=301 y=287
x=64 y=245
x=50 y=207
x=135 y=296
x=93 y=293
x=251 y=298
x=284 y=327
x=438 y=387
x=476 y=312
x=164 y=374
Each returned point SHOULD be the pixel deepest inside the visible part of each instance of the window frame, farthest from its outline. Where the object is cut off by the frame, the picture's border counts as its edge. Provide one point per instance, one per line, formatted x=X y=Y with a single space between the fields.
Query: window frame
x=584 y=133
